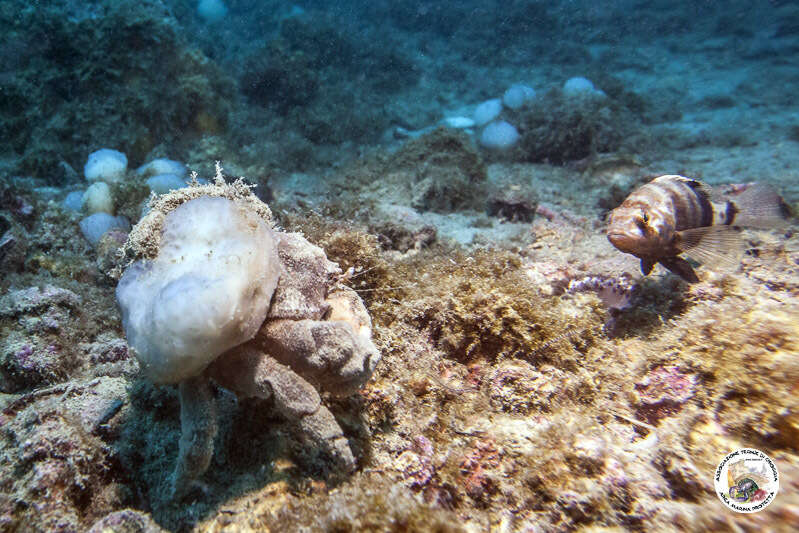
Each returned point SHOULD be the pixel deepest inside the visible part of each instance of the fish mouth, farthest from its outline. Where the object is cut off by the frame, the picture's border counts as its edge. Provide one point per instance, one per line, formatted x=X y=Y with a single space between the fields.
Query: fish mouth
x=617 y=237
x=621 y=241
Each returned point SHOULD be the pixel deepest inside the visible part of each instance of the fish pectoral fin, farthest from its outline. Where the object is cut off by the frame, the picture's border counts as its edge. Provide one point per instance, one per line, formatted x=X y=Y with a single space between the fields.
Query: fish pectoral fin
x=719 y=246
x=647 y=266
x=681 y=267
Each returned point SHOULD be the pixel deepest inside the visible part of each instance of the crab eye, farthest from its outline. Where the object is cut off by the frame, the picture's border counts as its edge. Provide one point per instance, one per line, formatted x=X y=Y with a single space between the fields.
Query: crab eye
x=645 y=218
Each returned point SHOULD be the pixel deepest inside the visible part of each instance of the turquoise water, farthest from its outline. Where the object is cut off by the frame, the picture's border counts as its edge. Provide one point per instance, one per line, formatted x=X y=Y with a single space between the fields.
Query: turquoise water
x=296 y=86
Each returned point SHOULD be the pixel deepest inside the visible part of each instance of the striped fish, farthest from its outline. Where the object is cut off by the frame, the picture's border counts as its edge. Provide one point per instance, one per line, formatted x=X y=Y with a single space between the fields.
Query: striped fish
x=673 y=215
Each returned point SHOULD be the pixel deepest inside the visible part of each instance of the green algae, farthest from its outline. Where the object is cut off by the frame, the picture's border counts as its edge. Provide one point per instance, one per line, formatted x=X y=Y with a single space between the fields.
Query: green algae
x=84 y=89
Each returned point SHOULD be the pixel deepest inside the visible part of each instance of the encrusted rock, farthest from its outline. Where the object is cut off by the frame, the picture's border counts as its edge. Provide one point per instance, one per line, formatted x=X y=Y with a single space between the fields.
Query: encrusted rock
x=126 y=521
x=513 y=203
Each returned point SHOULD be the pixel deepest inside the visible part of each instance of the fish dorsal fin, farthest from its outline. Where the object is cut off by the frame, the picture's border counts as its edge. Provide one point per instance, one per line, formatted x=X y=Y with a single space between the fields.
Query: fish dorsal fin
x=673 y=177
x=702 y=190
x=716 y=246
x=692 y=183
x=758 y=206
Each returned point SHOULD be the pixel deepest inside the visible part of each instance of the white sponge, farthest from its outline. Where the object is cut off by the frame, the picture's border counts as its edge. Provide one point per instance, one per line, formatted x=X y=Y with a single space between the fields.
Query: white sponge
x=207 y=291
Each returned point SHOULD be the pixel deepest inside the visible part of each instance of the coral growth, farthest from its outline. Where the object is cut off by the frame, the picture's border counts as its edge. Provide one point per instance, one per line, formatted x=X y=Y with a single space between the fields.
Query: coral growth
x=543 y=367
x=126 y=521
x=662 y=392
x=38 y=341
x=57 y=472
x=484 y=306
x=446 y=172
x=559 y=128
x=513 y=203
x=366 y=506
x=80 y=62
x=439 y=171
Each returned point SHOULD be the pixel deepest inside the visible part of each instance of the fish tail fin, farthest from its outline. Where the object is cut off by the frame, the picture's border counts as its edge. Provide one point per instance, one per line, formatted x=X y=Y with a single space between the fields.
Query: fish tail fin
x=759 y=206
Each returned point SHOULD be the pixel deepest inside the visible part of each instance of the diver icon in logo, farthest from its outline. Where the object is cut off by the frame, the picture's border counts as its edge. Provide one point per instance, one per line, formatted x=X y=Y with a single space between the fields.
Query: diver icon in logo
x=747 y=490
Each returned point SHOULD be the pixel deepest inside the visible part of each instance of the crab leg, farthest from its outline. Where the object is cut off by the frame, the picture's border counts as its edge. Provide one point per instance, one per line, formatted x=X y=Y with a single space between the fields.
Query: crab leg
x=198 y=426
x=251 y=372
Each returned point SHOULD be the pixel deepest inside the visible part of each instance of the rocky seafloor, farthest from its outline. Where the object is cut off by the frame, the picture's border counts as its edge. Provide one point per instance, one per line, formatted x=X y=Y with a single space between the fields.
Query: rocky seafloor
x=510 y=396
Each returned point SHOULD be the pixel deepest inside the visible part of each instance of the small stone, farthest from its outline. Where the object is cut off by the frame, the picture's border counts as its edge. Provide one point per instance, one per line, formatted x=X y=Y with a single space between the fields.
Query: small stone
x=126 y=521
x=163 y=183
x=35 y=298
x=666 y=384
x=663 y=391
x=74 y=200
x=517 y=95
x=95 y=226
x=98 y=199
x=499 y=135
x=514 y=203
x=108 y=256
x=458 y=123
x=162 y=166
x=487 y=111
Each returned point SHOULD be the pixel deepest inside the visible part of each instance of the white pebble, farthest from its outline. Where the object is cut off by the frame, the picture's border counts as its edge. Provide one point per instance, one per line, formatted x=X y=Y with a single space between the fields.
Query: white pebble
x=580 y=86
x=106 y=165
x=516 y=96
x=97 y=199
x=499 y=135
x=95 y=226
x=162 y=166
x=487 y=111
x=458 y=122
x=74 y=201
x=163 y=183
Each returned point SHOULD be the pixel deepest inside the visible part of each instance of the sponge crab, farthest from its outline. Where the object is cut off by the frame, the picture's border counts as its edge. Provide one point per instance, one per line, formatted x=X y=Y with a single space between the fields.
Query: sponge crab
x=218 y=295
